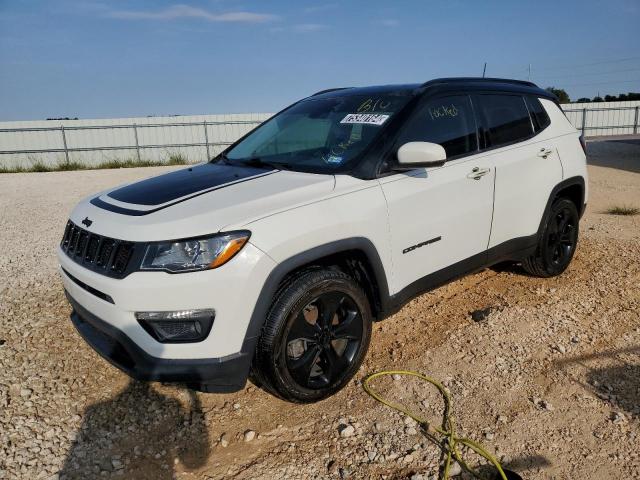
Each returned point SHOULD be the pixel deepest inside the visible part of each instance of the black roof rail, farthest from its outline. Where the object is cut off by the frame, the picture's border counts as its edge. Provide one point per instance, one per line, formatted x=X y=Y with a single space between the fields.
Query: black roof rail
x=329 y=90
x=478 y=80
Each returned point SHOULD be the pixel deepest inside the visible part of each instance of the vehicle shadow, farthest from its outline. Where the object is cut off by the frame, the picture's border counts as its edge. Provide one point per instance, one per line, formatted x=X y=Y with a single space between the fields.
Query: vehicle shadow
x=518 y=464
x=620 y=385
x=141 y=433
x=510 y=266
x=618 y=382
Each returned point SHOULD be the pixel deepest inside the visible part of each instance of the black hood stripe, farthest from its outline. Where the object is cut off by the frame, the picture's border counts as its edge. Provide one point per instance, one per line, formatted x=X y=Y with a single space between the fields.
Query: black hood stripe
x=165 y=188
x=159 y=191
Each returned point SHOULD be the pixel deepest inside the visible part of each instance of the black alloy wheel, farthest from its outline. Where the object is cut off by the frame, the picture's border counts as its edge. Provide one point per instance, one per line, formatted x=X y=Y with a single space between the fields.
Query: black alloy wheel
x=558 y=241
x=315 y=337
x=323 y=340
x=561 y=237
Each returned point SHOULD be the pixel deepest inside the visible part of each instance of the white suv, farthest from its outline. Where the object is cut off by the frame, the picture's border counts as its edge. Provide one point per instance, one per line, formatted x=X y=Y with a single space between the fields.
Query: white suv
x=273 y=259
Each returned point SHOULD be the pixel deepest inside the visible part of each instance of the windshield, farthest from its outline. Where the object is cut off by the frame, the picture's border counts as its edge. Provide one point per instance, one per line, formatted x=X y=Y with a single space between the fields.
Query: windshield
x=320 y=135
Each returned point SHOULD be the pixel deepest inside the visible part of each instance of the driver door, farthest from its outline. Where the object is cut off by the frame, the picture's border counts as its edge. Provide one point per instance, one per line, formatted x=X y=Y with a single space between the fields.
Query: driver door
x=440 y=217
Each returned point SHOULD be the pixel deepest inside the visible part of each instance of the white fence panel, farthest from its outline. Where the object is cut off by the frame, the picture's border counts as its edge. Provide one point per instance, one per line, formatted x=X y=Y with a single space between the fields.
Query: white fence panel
x=604 y=118
x=198 y=137
x=195 y=137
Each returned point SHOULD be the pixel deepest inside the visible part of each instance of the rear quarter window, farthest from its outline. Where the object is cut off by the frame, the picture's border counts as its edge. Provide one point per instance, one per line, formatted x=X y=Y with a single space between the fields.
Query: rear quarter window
x=539 y=116
x=505 y=119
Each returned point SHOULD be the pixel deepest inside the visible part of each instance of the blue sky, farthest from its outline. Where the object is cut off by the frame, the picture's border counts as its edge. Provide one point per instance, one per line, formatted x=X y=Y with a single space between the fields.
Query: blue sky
x=98 y=59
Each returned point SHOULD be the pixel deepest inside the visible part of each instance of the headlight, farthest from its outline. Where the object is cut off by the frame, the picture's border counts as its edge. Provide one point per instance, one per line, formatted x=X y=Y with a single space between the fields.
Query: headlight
x=194 y=254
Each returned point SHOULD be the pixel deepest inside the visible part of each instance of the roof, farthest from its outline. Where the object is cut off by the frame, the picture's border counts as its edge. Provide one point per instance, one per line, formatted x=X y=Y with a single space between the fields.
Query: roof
x=478 y=81
x=407 y=89
x=442 y=85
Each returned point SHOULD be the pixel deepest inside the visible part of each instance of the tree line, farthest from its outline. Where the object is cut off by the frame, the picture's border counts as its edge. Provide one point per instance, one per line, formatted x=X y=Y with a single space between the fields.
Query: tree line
x=563 y=96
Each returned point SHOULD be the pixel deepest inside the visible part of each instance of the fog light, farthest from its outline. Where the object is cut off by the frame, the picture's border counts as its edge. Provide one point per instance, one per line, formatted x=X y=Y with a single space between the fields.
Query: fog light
x=177 y=327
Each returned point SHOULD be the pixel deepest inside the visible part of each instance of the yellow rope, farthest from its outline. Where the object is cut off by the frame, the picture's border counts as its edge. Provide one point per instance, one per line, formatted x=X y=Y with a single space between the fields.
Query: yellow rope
x=452 y=441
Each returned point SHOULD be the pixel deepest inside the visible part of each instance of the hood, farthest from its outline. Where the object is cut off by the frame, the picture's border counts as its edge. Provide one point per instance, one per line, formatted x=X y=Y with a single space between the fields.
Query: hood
x=199 y=200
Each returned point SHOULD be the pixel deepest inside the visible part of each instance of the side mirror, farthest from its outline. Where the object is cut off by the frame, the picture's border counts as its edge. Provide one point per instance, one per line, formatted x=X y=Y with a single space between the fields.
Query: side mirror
x=421 y=154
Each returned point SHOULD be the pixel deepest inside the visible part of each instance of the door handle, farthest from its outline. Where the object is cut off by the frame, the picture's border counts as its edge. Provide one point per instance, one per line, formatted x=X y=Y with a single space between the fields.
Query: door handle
x=477 y=173
x=545 y=152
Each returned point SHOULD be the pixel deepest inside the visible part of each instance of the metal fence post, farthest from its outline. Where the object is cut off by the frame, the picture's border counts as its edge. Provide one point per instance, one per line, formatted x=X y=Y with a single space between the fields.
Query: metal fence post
x=635 y=121
x=206 y=138
x=135 y=134
x=584 y=119
x=64 y=143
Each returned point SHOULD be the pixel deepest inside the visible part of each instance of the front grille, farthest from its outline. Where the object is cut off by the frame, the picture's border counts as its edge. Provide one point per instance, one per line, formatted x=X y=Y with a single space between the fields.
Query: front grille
x=122 y=256
x=104 y=253
x=92 y=248
x=98 y=253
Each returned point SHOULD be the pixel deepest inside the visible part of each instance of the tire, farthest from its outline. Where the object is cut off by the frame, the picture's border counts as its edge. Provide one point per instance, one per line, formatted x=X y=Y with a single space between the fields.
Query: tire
x=307 y=353
x=558 y=241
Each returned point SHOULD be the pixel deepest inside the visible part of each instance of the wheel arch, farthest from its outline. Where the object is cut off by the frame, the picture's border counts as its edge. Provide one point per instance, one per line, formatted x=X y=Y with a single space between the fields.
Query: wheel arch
x=575 y=192
x=572 y=188
x=357 y=256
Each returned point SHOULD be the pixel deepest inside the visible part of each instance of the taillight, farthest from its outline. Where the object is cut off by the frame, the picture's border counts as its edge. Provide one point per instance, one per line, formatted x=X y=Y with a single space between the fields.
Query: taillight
x=583 y=144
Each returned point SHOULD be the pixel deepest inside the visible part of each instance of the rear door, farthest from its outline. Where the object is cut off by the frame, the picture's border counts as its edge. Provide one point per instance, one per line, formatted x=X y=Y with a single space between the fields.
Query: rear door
x=439 y=216
x=527 y=165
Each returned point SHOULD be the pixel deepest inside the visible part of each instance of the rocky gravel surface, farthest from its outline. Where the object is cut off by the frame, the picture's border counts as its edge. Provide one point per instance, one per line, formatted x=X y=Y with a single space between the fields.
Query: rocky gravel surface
x=547 y=375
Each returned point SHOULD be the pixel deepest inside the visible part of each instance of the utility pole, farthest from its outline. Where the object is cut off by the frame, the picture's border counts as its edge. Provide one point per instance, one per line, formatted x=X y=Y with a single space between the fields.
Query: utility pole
x=484 y=70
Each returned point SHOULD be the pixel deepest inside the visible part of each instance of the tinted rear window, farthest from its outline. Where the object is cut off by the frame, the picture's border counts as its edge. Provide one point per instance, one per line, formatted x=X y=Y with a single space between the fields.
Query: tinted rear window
x=505 y=118
x=447 y=121
x=539 y=116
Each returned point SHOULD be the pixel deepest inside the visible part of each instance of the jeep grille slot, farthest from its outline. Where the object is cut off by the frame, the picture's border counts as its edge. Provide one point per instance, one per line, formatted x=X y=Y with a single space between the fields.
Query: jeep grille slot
x=98 y=253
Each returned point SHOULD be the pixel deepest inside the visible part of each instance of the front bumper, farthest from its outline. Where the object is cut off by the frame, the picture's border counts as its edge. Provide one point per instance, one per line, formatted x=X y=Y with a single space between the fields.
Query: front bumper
x=231 y=291
x=226 y=374
x=104 y=311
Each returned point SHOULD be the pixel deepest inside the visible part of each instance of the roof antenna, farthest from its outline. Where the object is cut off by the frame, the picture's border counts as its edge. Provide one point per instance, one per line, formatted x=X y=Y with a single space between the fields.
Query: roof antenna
x=484 y=70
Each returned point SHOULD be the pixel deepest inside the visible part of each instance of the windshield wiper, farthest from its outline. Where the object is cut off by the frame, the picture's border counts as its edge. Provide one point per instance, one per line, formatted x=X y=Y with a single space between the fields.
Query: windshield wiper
x=224 y=158
x=258 y=162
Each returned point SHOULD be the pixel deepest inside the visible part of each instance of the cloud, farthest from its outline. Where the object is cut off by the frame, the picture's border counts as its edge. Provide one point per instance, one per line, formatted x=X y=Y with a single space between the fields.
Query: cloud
x=388 y=22
x=176 y=12
x=308 y=27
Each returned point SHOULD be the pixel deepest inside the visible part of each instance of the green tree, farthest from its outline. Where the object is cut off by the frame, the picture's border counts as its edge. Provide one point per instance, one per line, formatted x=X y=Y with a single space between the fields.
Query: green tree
x=562 y=95
x=629 y=96
x=583 y=100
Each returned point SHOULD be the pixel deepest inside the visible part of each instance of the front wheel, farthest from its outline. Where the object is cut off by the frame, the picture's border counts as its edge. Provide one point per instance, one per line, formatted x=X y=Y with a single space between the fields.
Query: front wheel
x=315 y=337
x=558 y=241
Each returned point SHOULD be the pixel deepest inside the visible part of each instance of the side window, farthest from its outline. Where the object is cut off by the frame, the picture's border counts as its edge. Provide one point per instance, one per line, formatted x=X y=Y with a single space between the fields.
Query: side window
x=447 y=121
x=505 y=119
x=539 y=116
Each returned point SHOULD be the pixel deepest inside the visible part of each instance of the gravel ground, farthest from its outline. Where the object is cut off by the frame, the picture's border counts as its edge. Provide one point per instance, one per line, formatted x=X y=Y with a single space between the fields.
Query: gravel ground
x=550 y=379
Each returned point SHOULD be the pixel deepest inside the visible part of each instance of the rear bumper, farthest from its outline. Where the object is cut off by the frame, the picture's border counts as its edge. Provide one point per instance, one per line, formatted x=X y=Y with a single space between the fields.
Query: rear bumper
x=226 y=374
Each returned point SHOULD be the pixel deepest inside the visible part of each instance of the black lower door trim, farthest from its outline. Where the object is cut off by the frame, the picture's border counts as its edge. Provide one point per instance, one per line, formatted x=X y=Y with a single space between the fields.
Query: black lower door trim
x=514 y=250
